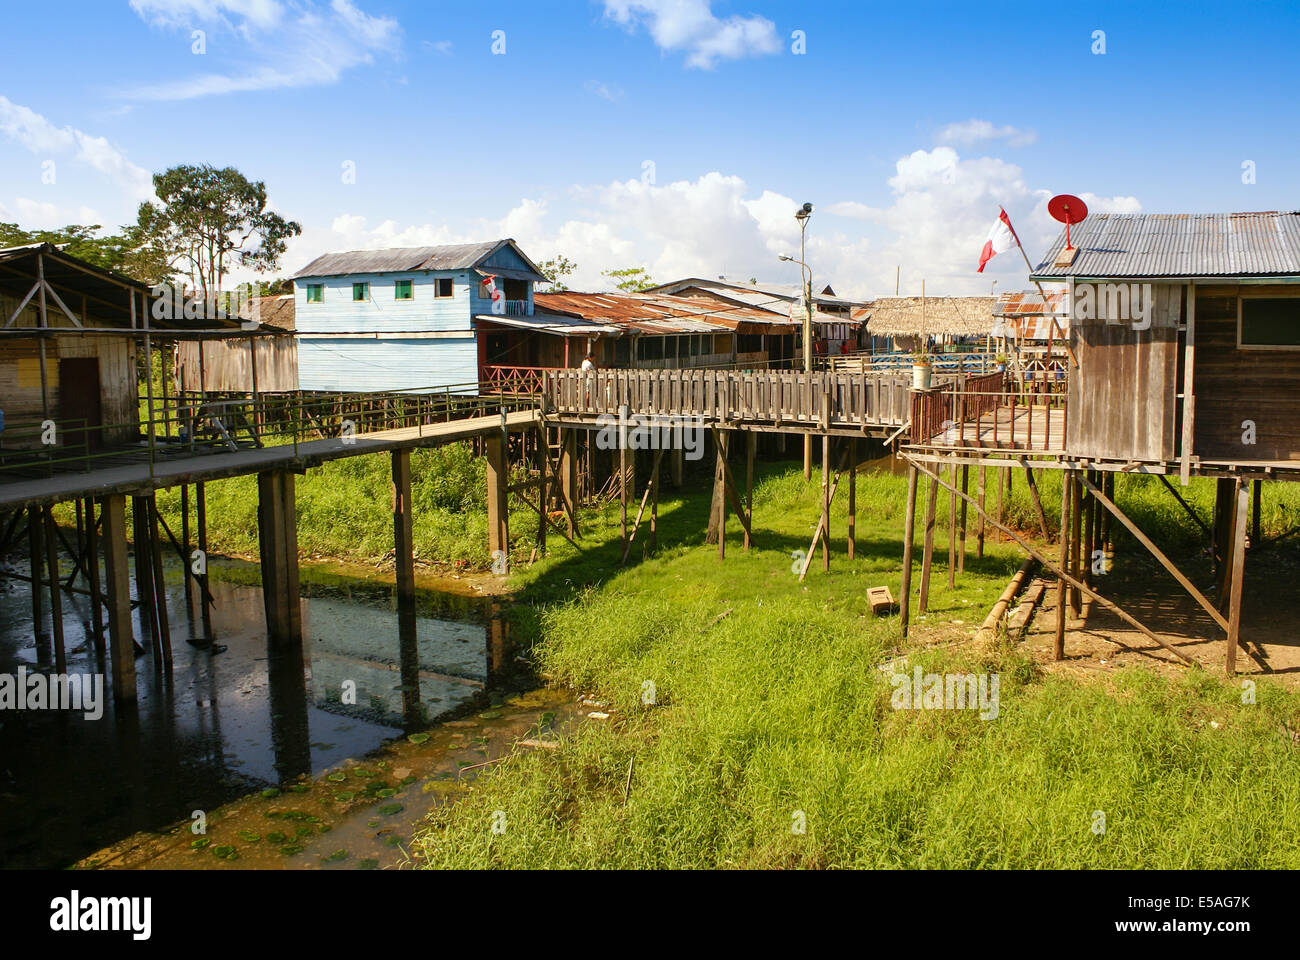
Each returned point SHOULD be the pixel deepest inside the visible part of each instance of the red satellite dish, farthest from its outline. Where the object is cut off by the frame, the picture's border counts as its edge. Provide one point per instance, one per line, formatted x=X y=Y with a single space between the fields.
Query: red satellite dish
x=1067 y=209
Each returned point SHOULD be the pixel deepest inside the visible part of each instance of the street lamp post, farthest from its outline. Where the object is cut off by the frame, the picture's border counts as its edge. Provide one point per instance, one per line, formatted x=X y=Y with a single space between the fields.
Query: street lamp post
x=805 y=274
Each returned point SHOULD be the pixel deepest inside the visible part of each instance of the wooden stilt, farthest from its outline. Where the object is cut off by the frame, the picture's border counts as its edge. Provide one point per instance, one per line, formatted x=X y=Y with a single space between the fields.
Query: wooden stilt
x=1001 y=477
x=961 y=532
x=979 y=529
x=92 y=576
x=1037 y=501
x=1076 y=537
x=676 y=468
x=201 y=519
x=1238 y=575
x=569 y=476
x=185 y=550
x=494 y=448
x=36 y=551
x=404 y=575
x=56 y=601
x=826 y=502
x=117 y=585
x=1058 y=649
x=927 y=553
x=543 y=488
x=654 y=503
x=751 y=447
x=159 y=585
x=909 y=534
x=952 y=527
x=1089 y=528
x=1256 y=486
x=853 y=494
x=278 y=541
x=623 y=455
x=144 y=592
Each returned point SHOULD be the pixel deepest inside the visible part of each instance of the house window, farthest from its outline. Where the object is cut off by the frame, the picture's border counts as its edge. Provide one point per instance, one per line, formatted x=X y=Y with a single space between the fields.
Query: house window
x=442 y=287
x=402 y=290
x=315 y=292
x=360 y=291
x=1268 y=323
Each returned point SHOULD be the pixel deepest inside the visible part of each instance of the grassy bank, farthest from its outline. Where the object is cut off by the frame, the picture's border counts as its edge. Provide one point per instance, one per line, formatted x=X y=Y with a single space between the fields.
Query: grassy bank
x=769 y=707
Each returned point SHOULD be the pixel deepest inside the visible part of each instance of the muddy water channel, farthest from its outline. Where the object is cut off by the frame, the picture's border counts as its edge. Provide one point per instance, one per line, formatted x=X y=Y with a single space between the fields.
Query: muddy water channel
x=322 y=758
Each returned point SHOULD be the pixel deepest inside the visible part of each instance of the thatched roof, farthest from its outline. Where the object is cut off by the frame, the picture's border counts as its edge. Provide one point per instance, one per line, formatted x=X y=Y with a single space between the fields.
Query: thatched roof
x=955 y=316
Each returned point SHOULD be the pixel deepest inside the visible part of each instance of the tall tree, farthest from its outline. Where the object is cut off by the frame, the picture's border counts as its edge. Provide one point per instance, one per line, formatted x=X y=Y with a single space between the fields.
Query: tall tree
x=630 y=279
x=80 y=240
x=556 y=270
x=208 y=221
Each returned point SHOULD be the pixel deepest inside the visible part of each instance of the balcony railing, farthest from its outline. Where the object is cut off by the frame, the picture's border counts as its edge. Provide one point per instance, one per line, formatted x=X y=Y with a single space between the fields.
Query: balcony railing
x=517 y=308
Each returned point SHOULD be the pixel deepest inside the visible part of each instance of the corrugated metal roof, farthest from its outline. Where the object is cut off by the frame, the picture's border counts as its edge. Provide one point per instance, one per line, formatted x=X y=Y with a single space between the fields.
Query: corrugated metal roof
x=1180 y=245
x=660 y=313
x=450 y=256
x=1022 y=303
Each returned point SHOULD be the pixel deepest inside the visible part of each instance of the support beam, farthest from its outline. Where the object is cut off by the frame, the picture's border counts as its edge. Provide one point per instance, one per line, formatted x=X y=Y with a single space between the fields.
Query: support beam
x=751 y=447
x=961 y=533
x=56 y=601
x=979 y=529
x=159 y=585
x=1073 y=581
x=1076 y=539
x=826 y=502
x=117 y=589
x=927 y=553
x=952 y=527
x=1189 y=395
x=909 y=533
x=1238 y=576
x=404 y=567
x=1058 y=647
x=92 y=575
x=36 y=553
x=494 y=449
x=201 y=518
x=1038 y=502
x=1183 y=503
x=569 y=476
x=278 y=541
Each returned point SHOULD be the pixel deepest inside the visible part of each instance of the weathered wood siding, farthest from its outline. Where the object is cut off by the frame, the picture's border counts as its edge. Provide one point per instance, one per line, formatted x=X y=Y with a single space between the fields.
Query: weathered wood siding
x=1232 y=386
x=1122 y=397
x=227 y=364
x=20 y=383
x=332 y=363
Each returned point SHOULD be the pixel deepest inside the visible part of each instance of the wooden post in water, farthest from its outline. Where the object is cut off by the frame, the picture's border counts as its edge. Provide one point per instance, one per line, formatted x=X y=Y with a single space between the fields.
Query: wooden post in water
x=159 y=584
x=494 y=449
x=56 y=601
x=909 y=533
x=185 y=551
x=92 y=575
x=201 y=519
x=36 y=551
x=117 y=584
x=1061 y=592
x=928 y=550
x=404 y=563
x=143 y=557
x=278 y=542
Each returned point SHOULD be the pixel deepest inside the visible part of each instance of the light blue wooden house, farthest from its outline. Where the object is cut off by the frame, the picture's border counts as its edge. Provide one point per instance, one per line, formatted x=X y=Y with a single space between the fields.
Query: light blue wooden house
x=403 y=318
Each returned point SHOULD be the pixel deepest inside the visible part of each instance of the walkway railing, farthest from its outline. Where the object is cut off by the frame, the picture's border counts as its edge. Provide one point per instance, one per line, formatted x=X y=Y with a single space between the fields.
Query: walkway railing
x=824 y=399
x=980 y=412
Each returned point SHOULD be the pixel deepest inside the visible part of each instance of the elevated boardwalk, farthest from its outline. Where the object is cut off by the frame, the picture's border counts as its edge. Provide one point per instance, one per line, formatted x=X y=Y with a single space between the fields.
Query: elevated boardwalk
x=203 y=465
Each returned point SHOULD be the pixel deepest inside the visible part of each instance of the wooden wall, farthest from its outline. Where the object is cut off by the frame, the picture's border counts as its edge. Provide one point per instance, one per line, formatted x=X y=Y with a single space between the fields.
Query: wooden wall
x=227 y=364
x=1232 y=385
x=1122 y=400
x=20 y=377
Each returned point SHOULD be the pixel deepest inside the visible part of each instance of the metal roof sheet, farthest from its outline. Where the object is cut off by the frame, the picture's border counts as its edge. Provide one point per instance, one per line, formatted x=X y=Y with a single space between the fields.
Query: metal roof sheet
x=450 y=256
x=1179 y=245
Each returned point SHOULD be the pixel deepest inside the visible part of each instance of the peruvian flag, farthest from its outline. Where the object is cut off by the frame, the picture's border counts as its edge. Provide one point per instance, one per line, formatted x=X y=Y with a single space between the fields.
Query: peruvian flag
x=1000 y=239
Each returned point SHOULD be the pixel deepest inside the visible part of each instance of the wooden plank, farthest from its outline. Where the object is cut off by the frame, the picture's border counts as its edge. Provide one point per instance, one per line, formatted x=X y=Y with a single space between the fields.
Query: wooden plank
x=1189 y=395
x=1058 y=648
x=1238 y=576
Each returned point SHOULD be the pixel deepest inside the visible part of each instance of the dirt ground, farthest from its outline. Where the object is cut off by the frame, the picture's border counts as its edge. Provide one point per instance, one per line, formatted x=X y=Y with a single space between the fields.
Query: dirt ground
x=1099 y=641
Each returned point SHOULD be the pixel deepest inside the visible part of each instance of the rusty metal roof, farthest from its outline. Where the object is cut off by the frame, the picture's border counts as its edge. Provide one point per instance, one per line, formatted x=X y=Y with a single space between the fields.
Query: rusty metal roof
x=1024 y=303
x=450 y=256
x=1179 y=245
x=661 y=313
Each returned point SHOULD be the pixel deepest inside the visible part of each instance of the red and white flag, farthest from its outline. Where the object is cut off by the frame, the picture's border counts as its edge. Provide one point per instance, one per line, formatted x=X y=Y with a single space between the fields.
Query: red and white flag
x=1001 y=238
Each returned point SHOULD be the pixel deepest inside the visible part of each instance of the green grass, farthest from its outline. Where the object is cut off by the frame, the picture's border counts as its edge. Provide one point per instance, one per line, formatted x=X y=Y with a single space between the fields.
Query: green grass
x=769 y=702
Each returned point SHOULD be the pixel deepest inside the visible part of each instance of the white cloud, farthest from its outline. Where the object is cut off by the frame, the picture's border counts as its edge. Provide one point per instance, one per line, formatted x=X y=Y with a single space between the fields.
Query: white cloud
x=939 y=210
x=603 y=90
x=691 y=27
x=310 y=45
x=437 y=46
x=33 y=131
x=974 y=131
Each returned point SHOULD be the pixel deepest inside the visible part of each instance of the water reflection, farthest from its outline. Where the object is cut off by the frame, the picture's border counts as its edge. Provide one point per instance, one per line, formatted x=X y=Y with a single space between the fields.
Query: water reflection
x=223 y=724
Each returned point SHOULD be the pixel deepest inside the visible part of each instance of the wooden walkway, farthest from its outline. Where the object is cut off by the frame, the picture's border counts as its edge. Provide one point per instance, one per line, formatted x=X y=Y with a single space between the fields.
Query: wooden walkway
x=203 y=466
x=1036 y=428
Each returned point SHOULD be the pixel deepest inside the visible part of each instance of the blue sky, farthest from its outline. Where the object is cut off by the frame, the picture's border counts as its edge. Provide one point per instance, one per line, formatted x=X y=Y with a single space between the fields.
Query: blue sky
x=675 y=134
